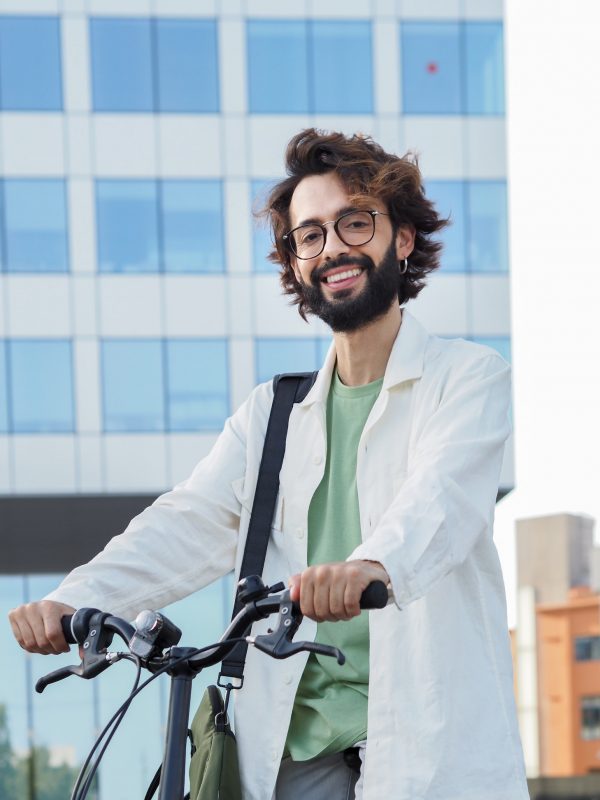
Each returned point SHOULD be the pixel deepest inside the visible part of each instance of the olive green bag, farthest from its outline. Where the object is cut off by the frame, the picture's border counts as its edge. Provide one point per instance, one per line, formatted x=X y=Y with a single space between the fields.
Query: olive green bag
x=214 y=770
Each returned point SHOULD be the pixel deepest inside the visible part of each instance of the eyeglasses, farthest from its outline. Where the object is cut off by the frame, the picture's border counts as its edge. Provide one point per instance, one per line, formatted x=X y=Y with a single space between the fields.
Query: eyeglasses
x=354 y=228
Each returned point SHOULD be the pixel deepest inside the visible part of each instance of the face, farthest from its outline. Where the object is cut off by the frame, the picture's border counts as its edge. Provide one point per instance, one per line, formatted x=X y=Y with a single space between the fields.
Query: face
x=347 y=286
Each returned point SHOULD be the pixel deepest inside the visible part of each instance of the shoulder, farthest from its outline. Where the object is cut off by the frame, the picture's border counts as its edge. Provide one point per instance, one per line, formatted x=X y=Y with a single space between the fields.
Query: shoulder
x=459 y=356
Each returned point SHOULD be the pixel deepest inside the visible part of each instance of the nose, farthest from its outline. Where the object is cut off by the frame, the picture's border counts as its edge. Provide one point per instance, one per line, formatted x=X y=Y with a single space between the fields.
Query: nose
x=334 y=246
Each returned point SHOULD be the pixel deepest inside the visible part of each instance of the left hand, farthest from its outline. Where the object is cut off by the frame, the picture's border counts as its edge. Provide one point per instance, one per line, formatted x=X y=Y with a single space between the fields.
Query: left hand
x=331 y=592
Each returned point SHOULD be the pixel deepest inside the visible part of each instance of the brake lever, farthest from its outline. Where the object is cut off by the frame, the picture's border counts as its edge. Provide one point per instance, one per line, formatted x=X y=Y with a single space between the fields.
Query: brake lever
x=278 y=643
x=95 y=658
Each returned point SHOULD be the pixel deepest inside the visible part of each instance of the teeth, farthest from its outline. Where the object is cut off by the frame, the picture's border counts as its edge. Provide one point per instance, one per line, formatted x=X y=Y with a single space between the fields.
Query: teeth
x=342 y=276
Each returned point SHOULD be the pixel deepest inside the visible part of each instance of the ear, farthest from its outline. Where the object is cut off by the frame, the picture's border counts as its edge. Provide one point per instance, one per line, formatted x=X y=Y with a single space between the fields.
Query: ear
x=405 y=241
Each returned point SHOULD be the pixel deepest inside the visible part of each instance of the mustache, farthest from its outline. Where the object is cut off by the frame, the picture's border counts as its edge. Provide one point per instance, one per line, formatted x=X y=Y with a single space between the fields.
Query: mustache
x=343 y=261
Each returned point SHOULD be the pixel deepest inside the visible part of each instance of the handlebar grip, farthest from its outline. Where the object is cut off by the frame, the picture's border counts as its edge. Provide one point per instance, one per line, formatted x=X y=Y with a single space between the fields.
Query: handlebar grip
x=374 y=596
x=65 y=624
x=75 y=627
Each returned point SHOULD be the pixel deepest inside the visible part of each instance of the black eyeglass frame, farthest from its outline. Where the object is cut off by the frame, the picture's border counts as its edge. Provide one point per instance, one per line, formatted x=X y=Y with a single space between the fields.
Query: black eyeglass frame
x=287 y=237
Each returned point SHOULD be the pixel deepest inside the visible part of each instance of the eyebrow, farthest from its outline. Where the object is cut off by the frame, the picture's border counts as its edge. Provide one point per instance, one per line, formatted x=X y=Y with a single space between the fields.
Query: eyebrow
x=338 y=214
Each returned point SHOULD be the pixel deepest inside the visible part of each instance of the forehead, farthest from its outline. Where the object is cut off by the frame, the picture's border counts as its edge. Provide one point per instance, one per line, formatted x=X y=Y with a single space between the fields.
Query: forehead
x=321 y=197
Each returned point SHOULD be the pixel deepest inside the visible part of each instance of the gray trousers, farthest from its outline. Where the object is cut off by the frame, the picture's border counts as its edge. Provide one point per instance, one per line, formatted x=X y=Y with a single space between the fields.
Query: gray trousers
x=325 y=778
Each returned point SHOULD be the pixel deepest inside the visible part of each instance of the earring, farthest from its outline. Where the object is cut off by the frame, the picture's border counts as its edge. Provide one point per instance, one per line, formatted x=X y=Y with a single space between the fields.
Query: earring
x=403 y=266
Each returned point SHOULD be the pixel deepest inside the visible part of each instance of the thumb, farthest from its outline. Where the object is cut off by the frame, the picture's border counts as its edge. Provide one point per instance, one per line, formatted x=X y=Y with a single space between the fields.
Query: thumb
x=294 y=586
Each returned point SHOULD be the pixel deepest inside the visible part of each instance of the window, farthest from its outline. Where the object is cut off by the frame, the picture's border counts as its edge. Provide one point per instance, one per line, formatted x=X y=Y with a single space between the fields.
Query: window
x=295 y=67
x=587 y=648
x=590 y=717
x=30 y=69
x=197 y=385
x=34 y=221
x=477 y=238
x=147 y=65
x=3 y=390
x=452 y=68
x=274 y=356
x=40 y=381
x=154 y=385
x=261 y=232
x=145 y=226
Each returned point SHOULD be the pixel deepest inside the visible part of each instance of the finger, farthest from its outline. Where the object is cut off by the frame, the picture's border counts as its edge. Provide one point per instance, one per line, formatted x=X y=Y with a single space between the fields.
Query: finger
x=33 y=616
x=54 y=633
x=321 y=593
x=294 y=587
x=352 y=593
x=337 y=604
x=28 y=640
x=307 y=605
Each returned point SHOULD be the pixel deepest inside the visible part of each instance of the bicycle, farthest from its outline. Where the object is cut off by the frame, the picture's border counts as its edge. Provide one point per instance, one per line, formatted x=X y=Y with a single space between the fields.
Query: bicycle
x=152 y=644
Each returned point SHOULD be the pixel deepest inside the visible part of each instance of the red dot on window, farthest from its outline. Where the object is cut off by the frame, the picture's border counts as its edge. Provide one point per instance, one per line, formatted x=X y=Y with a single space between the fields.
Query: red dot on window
x=432 y=67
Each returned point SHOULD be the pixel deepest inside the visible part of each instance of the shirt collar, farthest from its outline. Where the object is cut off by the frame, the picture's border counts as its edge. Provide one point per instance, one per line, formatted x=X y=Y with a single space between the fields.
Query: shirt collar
x=404 y=364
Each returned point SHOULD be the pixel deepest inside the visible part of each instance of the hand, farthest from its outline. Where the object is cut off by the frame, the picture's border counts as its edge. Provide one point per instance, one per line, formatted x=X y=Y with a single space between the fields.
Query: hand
x=37 y=629
x=330 y=592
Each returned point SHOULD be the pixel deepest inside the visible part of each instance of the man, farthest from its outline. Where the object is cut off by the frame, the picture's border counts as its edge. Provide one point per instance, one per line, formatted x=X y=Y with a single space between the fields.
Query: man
x=391 y=472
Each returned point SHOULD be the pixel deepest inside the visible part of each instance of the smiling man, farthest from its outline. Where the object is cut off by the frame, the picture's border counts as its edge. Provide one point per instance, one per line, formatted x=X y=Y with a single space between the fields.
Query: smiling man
x=390 y=472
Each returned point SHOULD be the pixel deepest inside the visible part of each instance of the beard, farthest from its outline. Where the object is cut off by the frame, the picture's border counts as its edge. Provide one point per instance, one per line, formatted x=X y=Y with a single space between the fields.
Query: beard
x=346 y=312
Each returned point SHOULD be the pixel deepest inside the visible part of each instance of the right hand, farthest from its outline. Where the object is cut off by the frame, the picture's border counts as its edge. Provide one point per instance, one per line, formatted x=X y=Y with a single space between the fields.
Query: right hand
x=37 y=628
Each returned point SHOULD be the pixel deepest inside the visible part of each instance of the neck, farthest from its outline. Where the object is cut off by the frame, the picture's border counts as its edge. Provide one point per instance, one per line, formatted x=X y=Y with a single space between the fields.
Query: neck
x=362 y=355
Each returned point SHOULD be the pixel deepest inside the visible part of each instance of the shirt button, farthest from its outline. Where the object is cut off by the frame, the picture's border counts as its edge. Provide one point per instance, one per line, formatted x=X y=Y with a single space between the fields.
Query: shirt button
x=300 y=533
x=288 y=679
x=273 y=754
x=317 y=459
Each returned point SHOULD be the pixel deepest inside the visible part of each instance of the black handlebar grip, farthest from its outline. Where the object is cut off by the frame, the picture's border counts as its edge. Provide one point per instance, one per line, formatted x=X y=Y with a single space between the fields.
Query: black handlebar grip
x=374 y=596
x=75 y=627
x=65 y=624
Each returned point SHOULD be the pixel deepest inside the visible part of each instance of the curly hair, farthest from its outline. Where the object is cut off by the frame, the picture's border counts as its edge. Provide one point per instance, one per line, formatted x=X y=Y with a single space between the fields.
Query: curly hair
x=364 y=168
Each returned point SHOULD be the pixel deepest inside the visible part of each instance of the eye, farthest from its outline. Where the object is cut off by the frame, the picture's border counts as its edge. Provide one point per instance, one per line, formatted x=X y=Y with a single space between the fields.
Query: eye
x=309 y=235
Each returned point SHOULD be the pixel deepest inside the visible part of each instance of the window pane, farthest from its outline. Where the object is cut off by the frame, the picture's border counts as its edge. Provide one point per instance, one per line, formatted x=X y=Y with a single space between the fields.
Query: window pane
x=277 y=67
x=261 y=232
x=484 y=67
x=499 y=343
x=431 y=68
x=488 y=226
x=35 y=226
x=342 y=67
x=133 y=385
x=127 y=213
x=3 y=389
x=449 y=199
x=323 y=346
x=274 y=356
x=192 y=215
x=30 y=70
x=121 y=57
x=41 y=386
x=198 y=381
x=188 y=78
x=590 y=718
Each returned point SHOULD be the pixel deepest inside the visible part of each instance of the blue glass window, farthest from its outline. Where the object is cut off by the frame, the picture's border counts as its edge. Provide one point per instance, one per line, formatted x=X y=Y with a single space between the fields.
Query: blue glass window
x=261 y=232
x=197 y=385
x=127 y=225
x=452 y=67
x=192 y=225
x=499 y=343
x=488 y=226
x=40 y=378
x=342 y=68
x=449 y=199
x=587 y=648
x=133 y=385
x=274 y=356
x=35 y=225
x=30 y=69
x=188 y=78
x=277 y=66
x=3 y=390
x=121 y=55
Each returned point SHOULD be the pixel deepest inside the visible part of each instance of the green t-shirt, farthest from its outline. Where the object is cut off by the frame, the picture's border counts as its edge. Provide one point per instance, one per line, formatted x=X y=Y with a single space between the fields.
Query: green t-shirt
x=330 y=709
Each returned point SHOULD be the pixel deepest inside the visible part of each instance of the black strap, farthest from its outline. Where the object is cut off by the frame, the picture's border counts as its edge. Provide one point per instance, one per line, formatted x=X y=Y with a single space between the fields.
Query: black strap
x=288 y=389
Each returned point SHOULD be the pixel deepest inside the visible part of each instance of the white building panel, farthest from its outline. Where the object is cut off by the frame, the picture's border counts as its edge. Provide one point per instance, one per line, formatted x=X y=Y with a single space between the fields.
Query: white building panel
x=384 y=8
x=235 y=145
x=75 y=61
x=269 y=135
x=442 y=305
x=136 y=462
x=439 y=142
x=38 y=305
x=189 y=146
x=241 y=311
x=239 y=223
x=483 y=9
x=433 y=9
x=78 y=144
x=84 y=305
x=5 y=466
x=125 y=145
x=389 y=133
x=195 y=305
x=81 y=209
x=185 y=8
x=88 y=387
x=120 y=7
x=3 y=307
x=32 y=144
x=242 y=371
x=44 y=463
x=130 y=305
x=232 y=8
x=89 y=463
x=346 y=123
x=490 y=305
x=386 y=74
x=185 y=451
x=273 y=314
x=275 y=9
x=74 y=6
x=485 y=139
x=349 y=9
x=232 y=66
x=29 y=6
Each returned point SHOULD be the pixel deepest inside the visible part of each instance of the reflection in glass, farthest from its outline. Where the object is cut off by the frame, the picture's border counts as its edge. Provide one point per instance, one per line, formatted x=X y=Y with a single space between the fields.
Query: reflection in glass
x=40 y=380
x=197 y=394
x=127 y=225
x=30 y=63
x=187 y=65
x=488 y=226
x=431 y=68
x=133 y=385
x=261 y=233
x=192 y=225
x=277 y=66
x=449 y=200
x=342 y=74
x=274 y=356
x=484 y=68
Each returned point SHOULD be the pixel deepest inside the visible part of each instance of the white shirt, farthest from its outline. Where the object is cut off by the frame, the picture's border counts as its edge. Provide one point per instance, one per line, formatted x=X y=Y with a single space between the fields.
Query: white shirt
x=441 y=721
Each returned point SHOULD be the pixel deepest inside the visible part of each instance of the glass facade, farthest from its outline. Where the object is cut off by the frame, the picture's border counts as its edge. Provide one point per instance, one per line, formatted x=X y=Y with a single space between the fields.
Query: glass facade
x=261 y=233
x=274 y=356
x=590 y=717
x=587 y=648
x=30 y=63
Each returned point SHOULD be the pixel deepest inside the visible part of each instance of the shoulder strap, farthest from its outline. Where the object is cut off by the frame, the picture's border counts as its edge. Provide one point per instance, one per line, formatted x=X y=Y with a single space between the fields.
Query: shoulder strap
x=288 y=389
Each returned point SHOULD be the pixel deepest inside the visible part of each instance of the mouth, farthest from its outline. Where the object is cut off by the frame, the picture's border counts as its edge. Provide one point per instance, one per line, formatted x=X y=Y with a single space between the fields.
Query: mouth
x=342 y=278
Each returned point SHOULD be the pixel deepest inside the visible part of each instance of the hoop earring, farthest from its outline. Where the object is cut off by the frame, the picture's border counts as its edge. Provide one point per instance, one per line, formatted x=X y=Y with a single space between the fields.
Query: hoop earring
x=403 y=266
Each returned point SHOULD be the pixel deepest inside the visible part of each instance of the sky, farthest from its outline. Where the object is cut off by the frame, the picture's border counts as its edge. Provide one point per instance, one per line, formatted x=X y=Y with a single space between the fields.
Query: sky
x=553 y=153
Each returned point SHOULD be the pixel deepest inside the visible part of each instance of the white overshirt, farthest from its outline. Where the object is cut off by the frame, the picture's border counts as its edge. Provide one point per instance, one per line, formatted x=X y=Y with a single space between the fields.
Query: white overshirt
x=441 y=721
